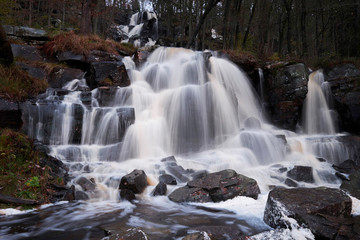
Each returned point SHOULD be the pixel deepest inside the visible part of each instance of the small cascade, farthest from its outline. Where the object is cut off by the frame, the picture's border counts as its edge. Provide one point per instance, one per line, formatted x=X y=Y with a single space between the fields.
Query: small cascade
x=141 y=31
x=318 y=118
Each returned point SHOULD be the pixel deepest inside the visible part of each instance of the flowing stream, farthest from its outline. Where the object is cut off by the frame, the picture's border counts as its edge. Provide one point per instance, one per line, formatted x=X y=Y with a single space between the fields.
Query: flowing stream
x=191 y=105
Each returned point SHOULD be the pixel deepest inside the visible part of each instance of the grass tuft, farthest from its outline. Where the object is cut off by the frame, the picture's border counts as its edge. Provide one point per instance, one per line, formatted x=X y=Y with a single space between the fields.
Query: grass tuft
x=17 y=85
x=83 y=44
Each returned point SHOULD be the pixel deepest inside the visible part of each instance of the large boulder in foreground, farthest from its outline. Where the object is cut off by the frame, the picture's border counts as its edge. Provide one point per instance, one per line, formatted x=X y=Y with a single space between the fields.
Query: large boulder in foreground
x=323 y=210
x=216 y=187
x=353 y=185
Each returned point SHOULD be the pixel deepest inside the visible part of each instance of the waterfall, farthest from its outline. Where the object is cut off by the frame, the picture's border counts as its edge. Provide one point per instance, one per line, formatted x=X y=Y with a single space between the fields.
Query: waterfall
x=192 y=105
x=318 y=117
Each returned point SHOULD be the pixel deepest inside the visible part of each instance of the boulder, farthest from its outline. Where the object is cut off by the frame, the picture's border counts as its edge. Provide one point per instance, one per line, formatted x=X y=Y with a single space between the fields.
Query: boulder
x=344 y=80
x=26 y=52
x=110 y=74
x=160 y=189
x=216 y=187
x=313 y=207
x=86 y=184
x=175 y=170
x=26 y=32
x=135 y=181
x=127 y=194
x=6 y=56
x=187 y=194
x=10 y=114
x=167 y=179
x=285 y=91
x=80 y=195
x=352 y=144
x=353 y=185
x=70 y=194
x=301 y=174
x=348 y=166
x=60 y=76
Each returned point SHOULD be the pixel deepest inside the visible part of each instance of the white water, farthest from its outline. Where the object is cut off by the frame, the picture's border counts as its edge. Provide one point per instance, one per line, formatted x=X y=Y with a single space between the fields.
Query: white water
x=318 y=116
x=204 y=112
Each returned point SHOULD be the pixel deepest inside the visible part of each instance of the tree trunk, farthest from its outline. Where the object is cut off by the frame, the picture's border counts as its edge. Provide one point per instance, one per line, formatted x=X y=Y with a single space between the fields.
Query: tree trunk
x=30 y=12
x=85 y=17
x=303 y=27
x=288 y=14
x=249 y=24
x=209 y=7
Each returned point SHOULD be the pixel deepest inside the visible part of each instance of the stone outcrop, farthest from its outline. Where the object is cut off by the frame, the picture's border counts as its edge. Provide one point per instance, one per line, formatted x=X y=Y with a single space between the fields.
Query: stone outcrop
x=285 y=92
x=344 y=81
x=6 y=56
x=216 y=187
x=10 y=114
x=323 y=210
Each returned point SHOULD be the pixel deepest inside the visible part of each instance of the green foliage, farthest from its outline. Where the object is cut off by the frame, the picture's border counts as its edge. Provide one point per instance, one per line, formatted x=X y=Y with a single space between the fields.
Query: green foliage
x=17 y=85
x=33 y=182
x=20 y=173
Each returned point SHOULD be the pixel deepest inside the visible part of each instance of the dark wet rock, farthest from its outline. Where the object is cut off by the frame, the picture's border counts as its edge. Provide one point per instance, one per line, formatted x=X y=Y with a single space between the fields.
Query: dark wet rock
x=199 y=174
x=17 y=201
x=35 y=72
x=26 y=33
x=128 y=234
x=106 y=94
x=70 y=194
x=216 y=187
x=6 y=56
x=175 y=170
x=301 y=174
x=110 y=74
x=252 y=123
x=221 y=232
x=282 y=138
x=187 y=194
x=26 y=52
x=353 y=185
x=167 y=179
x=352 y=144
x=344 y=81
x=101 y=56
x=86 y=184
x=160 y=189
x=321 y=159
x=70 y=57
x=80 y=195
x=127 y=194
x=60 y=76
x=282 y=169
x=135 y=181
x=342 y=176
x=348 y=166
x=57 y=167
x=178 y=171
x=286 y=89
x=197 y=236
x=313 y=207
x=290 y=183
x=10 y=114
x=86 y=97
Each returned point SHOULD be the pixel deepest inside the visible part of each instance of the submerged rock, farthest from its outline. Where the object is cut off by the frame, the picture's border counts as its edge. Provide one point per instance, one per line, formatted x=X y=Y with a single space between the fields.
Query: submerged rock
x=167 y=179
x=197 y=236
x=128 y=234
x=301 y=174
x=316 y=208
x=216 y=187
x=86 y=184
x=135 y=181
x=160 y=189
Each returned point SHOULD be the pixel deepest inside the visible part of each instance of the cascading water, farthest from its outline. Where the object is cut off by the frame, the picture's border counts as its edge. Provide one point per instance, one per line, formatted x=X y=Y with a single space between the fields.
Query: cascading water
x=318 y=117
x=192 y=105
